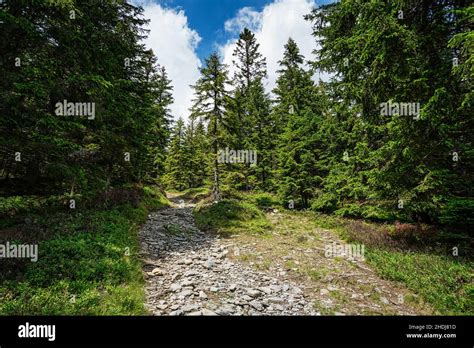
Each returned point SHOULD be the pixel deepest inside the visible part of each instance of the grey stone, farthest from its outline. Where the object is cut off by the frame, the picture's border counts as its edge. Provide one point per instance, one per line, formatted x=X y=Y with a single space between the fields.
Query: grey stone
x=253 y=293
x=175 y=287
x=257 y=305
x=187 y=282
x=265 y=289
x=276 y=300
x=190 y=308
x=209 y=264
x=206 y=311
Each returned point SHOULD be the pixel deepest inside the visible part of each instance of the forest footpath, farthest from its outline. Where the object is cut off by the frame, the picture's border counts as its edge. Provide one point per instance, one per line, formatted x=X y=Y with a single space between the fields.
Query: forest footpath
x=284 y=271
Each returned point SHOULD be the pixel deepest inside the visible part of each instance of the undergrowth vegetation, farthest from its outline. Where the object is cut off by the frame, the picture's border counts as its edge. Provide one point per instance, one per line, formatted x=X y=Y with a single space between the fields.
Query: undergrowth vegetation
x=88 y=259
x=231 y=216
x=436 y=264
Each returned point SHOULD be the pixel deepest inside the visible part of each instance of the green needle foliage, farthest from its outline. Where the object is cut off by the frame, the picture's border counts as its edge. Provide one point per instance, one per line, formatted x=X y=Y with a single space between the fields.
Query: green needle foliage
x=81 y=52
x=405 y=166
x=211 y=99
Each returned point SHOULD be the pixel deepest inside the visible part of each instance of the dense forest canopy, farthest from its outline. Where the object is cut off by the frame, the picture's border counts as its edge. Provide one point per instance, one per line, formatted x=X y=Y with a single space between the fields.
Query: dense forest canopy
x=79 y=53
x=388 y=137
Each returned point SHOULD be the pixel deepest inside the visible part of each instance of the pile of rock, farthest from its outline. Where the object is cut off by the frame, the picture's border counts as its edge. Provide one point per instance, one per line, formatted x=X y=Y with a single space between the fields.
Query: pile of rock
x=189 y=273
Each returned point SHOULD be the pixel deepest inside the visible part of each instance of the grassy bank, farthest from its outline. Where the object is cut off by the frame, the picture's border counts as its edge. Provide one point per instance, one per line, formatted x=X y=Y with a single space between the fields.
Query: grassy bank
x=442 y=281
x=88 y=260
x=421 y=259
x=231 y=216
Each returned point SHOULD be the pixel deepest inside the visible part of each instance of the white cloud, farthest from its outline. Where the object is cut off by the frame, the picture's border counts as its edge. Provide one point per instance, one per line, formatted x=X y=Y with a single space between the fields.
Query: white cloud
x=277 y=22
x=174 y=44
x=246 y=17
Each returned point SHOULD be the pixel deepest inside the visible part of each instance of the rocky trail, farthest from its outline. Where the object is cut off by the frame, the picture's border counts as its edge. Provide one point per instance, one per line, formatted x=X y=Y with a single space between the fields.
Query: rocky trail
x=191 y=272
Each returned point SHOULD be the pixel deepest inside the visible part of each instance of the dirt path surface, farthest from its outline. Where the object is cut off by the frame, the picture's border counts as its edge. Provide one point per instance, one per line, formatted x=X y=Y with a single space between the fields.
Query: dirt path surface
x=190 y=272
x=337 y=285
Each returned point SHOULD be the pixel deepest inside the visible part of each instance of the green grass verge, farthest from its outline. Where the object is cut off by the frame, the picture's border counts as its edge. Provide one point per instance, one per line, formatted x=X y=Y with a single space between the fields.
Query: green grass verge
x=87 y=265
x=231 y=216
x=194 y=194
x=444 y=281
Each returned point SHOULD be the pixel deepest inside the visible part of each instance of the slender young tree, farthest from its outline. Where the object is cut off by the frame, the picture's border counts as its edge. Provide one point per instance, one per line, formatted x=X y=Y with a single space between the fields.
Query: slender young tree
x=248 y=61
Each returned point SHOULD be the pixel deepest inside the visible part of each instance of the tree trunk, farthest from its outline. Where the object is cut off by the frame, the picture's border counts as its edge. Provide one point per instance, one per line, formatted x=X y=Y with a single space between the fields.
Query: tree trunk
x=216 y=194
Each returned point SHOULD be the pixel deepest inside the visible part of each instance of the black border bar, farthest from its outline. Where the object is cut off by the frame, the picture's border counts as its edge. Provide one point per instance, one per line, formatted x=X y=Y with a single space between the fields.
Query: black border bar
x=222 y=331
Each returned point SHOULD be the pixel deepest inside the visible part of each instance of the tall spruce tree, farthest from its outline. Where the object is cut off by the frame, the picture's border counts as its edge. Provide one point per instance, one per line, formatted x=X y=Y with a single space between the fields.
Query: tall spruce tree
x=176 y=165
x=196 y=148
x=161 y=90
x=249 y=63
x=82 y=52
x=296 y=112
x=211 y=98
x=201 y=144
x=249 y=109
x=262 y=137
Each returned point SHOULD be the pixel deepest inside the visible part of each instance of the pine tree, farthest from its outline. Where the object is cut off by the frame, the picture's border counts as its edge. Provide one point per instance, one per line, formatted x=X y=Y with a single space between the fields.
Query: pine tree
x=47 y=59
x=197 y=153
x=211 y=97
x=176 y=165
x=249 y=109
x=295 y=112
x=165 y=98
x=263 y=135
x=161 y=92
x=202 y=152
x=249 y=63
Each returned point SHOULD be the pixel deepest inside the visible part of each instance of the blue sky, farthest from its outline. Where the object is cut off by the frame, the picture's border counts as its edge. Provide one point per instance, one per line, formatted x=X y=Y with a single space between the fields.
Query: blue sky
x=184 y=32
x=207 y=17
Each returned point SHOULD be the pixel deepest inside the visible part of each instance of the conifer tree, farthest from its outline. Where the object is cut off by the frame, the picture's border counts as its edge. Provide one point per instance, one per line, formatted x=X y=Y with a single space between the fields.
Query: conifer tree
x=262 y=138
x=297 y=105
x=161 y=89
x=249 y=63
x=45 y=59
x=176 y=176
x=211 y=98
x=396 y=164
x=249 y=109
